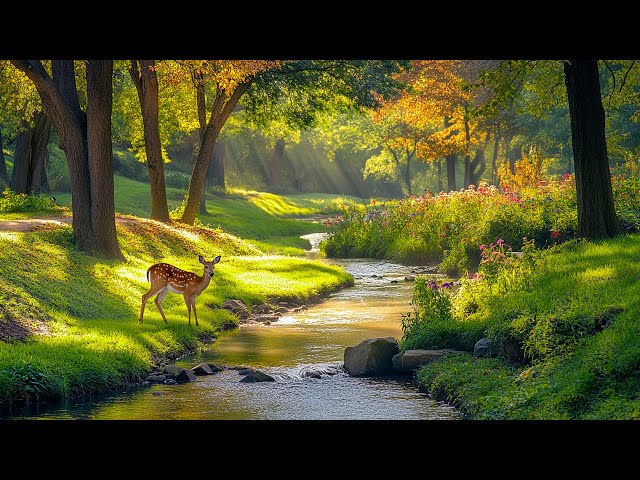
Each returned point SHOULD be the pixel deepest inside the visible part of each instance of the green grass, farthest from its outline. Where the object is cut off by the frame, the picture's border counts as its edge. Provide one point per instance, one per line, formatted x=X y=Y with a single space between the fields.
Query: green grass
x=79 y=315
x=574 y=368
x=266 y=218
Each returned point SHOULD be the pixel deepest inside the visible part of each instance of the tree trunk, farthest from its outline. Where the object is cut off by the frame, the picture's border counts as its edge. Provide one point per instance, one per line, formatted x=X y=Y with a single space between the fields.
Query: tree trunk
x=275 y=164
x=145 y=79
x=451 y=159
x=223 y=105
x=100 y=157
x=22 y=160
x=596 y=212
x=439 y=163
x=3 y=165
x=86 y=141
x=215 y=173
x=467 y=158
x=494 y=159
x=407 y=174
x=479 y=165
x=201 y=103
x=31 y=155
x=40 y=153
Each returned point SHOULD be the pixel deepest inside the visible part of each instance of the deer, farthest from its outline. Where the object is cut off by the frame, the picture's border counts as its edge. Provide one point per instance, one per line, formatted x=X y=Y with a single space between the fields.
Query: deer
x=165 y=278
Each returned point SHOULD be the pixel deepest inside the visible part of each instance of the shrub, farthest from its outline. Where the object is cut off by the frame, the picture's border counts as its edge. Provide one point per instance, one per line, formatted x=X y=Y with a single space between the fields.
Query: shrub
x=12 y=202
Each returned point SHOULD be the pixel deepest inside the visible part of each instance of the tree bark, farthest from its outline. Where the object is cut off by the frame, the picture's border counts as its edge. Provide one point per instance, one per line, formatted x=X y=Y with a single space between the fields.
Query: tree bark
x=145 y=79
x=596 y=212
x=201 y=103
x=439 y=163
x=100 y=156
x=275 y=164
x=40 y=153
x=3 y=165
x=22 y=160
x=86 y=141
x=223 y=105
x=30 y=156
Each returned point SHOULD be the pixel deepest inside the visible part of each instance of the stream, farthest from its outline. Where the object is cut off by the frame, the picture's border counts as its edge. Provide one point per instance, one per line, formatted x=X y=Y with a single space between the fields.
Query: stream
x=295 y=350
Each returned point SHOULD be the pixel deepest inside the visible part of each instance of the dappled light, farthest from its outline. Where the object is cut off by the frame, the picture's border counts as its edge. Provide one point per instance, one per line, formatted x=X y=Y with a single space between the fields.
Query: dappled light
x=478 y=221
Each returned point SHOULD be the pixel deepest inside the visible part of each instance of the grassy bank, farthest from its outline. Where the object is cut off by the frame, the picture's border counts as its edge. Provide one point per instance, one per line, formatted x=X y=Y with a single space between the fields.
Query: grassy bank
x=270 y=221
x=573 y=310
x=70 y=321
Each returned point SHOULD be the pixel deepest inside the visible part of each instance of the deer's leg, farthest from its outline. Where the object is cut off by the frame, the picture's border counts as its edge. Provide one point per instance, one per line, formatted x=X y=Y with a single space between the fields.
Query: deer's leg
x=193 y=304
x=187 y=300
x=145 y=298
x=158 y=300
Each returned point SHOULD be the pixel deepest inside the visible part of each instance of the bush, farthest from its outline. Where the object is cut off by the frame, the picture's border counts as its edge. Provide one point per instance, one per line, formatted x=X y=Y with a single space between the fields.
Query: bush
x=12 y=202
x=177 y=179
x=451 y=226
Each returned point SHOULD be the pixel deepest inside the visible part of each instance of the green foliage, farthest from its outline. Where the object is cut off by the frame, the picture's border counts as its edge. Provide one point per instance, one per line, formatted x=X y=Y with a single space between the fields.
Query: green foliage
x=12 y=202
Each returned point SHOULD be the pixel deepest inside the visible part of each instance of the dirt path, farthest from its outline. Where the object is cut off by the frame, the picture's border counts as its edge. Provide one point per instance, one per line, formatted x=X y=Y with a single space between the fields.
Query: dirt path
x=31 y=224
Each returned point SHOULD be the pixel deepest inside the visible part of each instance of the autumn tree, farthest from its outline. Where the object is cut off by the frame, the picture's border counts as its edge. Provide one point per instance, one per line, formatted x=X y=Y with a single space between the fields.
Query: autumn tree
x=145 y=79
x=86 y=140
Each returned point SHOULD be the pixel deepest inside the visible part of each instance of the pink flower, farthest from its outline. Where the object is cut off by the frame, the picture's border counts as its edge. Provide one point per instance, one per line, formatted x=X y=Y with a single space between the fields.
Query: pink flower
x=500 y=241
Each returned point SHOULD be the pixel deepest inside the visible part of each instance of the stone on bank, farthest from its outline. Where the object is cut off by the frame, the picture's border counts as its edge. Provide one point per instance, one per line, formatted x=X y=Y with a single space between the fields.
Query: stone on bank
x=371 y=357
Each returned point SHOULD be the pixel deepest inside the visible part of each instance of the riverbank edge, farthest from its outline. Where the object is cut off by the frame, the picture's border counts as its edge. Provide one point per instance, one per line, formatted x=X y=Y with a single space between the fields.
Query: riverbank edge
x=159 y=361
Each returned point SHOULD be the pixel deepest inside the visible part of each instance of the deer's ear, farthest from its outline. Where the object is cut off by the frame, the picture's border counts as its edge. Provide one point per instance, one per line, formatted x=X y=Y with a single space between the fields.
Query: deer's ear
x=200 y=258
x=217 y=259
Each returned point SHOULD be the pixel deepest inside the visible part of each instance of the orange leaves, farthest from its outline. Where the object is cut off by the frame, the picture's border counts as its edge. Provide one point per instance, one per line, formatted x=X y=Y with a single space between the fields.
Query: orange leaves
x=527 y=172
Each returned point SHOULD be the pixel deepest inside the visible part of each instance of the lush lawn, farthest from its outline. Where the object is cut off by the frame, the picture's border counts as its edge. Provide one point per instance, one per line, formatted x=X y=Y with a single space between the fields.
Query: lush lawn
x=575 y=312
x=79 y=315
x=267 y=218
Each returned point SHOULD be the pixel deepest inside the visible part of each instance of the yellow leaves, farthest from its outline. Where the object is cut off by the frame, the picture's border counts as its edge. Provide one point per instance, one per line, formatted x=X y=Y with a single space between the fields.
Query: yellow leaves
x=527 y=172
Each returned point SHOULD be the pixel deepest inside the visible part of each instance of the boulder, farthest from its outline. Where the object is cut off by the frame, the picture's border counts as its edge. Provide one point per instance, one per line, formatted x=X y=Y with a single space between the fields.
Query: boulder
x=170 y=381
x=172 y=369
x=202 y=369
x=185 y=376
x=156 y=378
x=485 y=347
x=371 y=357
x=234 y=305
x=246 y=371
x=410 y=360
x=214 y=367
x=257 y=376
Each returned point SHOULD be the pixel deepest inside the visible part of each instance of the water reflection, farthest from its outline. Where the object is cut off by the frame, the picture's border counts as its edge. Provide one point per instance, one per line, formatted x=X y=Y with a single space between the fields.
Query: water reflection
x=309 y=343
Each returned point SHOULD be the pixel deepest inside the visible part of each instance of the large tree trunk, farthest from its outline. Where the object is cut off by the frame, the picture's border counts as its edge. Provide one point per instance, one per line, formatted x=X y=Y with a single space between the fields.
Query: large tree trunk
x=215 y=173
x=596 y=212
x=86 y=141
x=223 y=105
x=201 y=102
x=145 y=79
x=275 y=165
x=3 y=165
x=100 y=156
